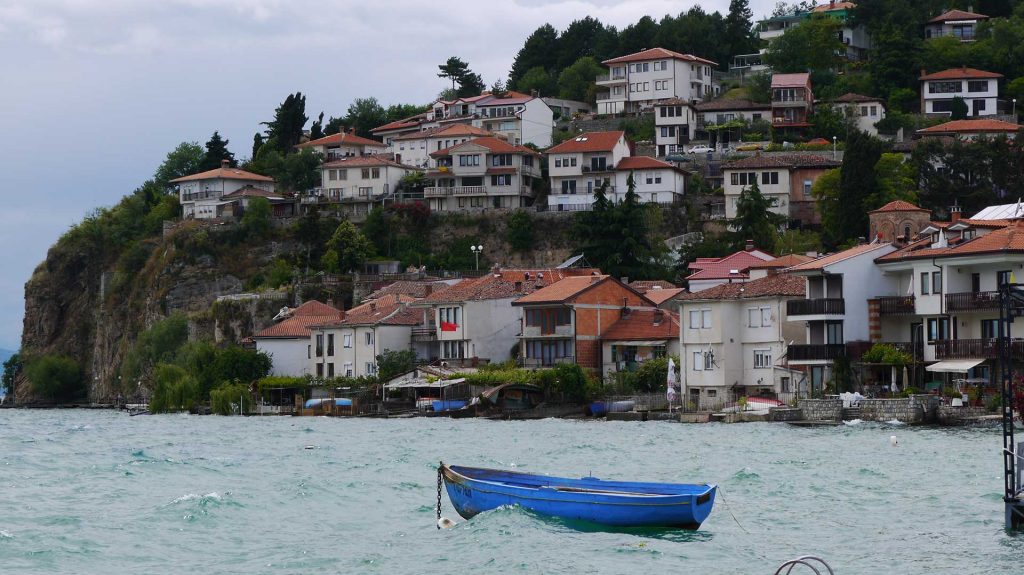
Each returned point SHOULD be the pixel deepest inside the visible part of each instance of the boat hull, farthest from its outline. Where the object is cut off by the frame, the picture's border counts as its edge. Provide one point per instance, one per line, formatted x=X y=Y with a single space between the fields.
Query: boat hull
x=618 y=504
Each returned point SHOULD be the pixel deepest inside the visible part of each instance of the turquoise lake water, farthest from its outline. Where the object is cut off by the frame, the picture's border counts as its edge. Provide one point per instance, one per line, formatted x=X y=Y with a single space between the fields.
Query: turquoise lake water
x=101 y=492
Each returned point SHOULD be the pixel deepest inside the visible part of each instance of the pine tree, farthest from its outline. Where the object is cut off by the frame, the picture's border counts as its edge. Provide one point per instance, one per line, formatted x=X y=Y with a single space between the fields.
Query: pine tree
x=285 y=130
x=738 y=27
x=217 y=151
x=454 y=69
x=755 y=220
x=257 y=143
x=857 y=182
x=316 y=130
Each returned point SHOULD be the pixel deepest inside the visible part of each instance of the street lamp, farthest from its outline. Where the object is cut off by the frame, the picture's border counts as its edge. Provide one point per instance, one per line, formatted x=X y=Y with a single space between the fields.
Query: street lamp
x=1015 y=107
x=833 y=147
x=476 y=254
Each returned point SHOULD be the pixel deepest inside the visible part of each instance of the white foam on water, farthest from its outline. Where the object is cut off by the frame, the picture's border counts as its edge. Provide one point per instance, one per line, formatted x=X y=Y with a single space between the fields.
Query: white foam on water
x=853 y=422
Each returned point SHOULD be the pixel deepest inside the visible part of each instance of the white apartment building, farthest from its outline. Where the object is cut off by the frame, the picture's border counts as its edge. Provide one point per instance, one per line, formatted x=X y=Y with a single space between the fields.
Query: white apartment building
x=288 y=342
x=865 y=110
x=675 y=122
x=388 y=132
x=352 y=185
x=517 y=117
x=733 y=338
x=349 y=348
x=978 y=89
x=414 y=149
x=636 y=81
x=653 y=180
x=482 y=173
x=580 y=165
x=785 y=178
x=343 y=145
x=201 y=194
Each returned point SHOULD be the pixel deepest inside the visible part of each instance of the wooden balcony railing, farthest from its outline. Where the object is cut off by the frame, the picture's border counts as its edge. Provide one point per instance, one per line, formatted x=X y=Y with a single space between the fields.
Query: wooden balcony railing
x=898 y=305
x=816 y=352
x=820 y=306
x=972 y=301
x=975 y=348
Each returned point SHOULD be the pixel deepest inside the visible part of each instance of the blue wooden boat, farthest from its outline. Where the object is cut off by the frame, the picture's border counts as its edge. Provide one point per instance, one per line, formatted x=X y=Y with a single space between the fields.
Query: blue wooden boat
x=473 y=490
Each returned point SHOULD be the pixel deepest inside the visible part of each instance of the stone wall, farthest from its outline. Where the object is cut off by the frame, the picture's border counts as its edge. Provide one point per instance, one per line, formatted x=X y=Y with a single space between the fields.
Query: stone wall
x=822 y=409
x=949 y=415
x=905 y=410
x=786 y=413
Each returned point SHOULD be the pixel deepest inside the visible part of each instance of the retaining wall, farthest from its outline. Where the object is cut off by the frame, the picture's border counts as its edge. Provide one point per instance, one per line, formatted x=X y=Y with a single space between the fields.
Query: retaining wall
x=822 y=409
x=905 y=410
x=786 y=413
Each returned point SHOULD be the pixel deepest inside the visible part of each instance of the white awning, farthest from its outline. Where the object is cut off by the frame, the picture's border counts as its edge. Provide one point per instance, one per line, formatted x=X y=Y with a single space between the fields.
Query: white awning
x=954 y=365
x=406 y=383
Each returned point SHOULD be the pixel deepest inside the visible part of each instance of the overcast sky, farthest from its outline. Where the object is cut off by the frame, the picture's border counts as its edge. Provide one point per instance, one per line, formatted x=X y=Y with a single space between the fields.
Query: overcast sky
x=96 y=92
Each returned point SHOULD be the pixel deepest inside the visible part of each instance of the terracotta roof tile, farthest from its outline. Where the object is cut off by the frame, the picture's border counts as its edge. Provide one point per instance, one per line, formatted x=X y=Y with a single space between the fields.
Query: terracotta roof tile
x=494 y=145
x=828 y=7
x=783 y=161
x=451 y=130
x=781 y=284
x=957 y=15
x=971 y=126
x=660 y=296
x=1009 y=239
x=782 y=262
x=225 y=173
x=251 y=192
x=645 y=163
x=851 y=98
x=341 y=139
x=411 y=288
x=365 y=162
x=301 y=319
x=644 y=324
x=825 y=261
x=722 y=268
x=898 y=206
x=798 y=80
x=656 y=54
x=959 y=73
x=737 y=104
x=508 y=283
x=588 y=142
x=390 y=309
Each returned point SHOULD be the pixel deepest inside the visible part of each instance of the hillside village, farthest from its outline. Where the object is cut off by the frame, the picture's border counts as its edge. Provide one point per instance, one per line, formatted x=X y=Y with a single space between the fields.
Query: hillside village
x=821 y=232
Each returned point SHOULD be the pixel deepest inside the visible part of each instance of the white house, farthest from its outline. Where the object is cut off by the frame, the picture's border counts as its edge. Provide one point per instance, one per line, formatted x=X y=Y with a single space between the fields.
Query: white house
x=201 y=194
x=675 y=121
x=349 y=347
x=978 y=89
x=959 y=24
x=566 y=109
x=353 y=184
x=482 y=173
x=343 y=145
x=865 y=110
x=636 y=81
x=972 y=130
x=733 y=338
x=721 y=112
x=580 y=165
x=288 y=342
x=734 y=268
x=388 y=132
x=414 y=149
x=653 y=180
x=518 y=118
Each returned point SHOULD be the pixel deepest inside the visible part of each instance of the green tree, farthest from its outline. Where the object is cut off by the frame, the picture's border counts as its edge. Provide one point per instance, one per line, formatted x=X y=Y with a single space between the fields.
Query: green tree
x=173 y=389
x=392 y=363
x=797 y=242
x=826 y=194
x=58 y=378
x=577 y=81
x=157 y=344
x=739 y=28
x=498 y=89
x=638 y=36
x=470 y=85
x=284 y=132
x=257 y=143
x=755 y=219
x=539 y=51
x=958 y=109
x=347 y=249
x=256 y=221
x=292 y=172
x=230 y=398
x=585 y=37
x=12 y=367
x=537 y=79
x=813 y=45
x=830 y=122
x=184 y=160
x=896 y=181
x=240 y=364
x=365 y=114
x=216 y=152
x=857 y=183
x=454 y=69
x=759 y=88
x=520 y=231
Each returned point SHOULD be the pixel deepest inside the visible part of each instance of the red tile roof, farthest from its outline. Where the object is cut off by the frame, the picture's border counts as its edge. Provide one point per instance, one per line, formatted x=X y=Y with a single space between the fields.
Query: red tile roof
x=225 y=173
x=829 y=6
x=494 y=145
x=1009 y=239
x=342 y=139
x=410 y=122
x=959 y=73
x=781 y=284
x=721 y=268
x=642 y=324
x=301 y=319
x=251 y=192
x=588 y=142
x=451 y=130
x=411 y=288
x=567 y=289
x=782 y=262
x=390 y=309
x=791 y=161
x=645 y=163
x=971 y=126
x=898 y=206
x=798 y=80
x=364 y=162
x=957 y=15
x=643 y=285
x=737 y=104
x=851 y=98
x=657 y=54
x=660 y=296
x=509 y=283
x=824 y=261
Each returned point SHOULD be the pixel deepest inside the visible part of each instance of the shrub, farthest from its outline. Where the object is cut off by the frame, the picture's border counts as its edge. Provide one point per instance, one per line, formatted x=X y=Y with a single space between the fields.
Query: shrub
x=56 y=377
x=391 y=363
x=886 y=354
x=174 y=390
x=157 y=344
x=225 y=399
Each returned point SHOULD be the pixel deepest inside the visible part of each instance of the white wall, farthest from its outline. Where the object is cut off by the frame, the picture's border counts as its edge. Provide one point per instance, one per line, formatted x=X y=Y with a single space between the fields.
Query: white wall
x=288 y=356
x=778 y=191
x=666 y=184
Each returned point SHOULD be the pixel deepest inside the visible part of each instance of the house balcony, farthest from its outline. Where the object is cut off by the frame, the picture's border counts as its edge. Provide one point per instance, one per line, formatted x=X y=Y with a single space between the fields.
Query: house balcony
x=425 y=332
x=535 y=332
x=815 y=307
x=609 y=96
x=790 y=103
x=782 y=121
x=975 y=349
x=824 y=352
x=308 y=200
x=436 y=192
x=608 y=80
x=972 y=301
x=469 y=191
x=897 y=305
x=536 y=362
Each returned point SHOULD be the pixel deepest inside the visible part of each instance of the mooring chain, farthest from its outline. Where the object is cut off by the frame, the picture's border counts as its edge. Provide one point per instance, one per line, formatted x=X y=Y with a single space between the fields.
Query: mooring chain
x=439 y=480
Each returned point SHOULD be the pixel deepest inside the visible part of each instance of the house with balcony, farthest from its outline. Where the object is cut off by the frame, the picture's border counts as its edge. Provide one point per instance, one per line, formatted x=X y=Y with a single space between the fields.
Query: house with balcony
x=653 y=180
x=580 y=165
x=733 y=339
x=349 y=347
x=388 y=132
x=566 y=109
x=866 y=111
x=414 y=149
x=971 y=130
x=640 y=335
x=707 y=273
x=786 y=179
x=792 y=101
x=201 y=195
x=834 y=311
x=771 y=28
x=343 y=145
x=946 y=296
x=352 y=185
x=474 y=321
x=978 y=89
x=855 y=38
x=565 y=322
x=716 y=115
x=482 y=173
x=518 y=118
x=675 y=122
x=289 y=341
x=635 y=82
x=959 y=24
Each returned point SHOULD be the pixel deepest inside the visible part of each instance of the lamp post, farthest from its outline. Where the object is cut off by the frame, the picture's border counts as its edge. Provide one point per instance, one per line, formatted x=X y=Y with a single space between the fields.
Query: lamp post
x=476 y=254
x=1015 y=108
x=833 y=147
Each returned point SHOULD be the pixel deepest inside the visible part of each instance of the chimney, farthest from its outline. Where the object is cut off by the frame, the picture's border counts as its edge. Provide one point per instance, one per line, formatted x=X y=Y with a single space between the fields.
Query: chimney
x=595 y=278
x=749 y=247
x=534 y=92
x=954 y=214
x=428 y=289
x=624 y=279
x=351 y=130
x=225 y=164
x=519 y=287
x=373 y=305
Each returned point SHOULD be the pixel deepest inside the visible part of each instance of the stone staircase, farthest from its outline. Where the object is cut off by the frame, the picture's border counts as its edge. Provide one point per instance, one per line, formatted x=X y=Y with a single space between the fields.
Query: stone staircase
x=851 y=413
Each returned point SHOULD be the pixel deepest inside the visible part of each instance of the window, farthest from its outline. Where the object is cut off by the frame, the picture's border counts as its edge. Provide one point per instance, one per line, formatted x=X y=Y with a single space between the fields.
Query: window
x=371 y=368
x=348 y=369
x=309 y=352
x=698 y=361
x=366 y=173
x=833 y=332
x=807 y=188
x=558 y=162
x=989 y=328
x=938 y=328
x=346 y=340
x=863 y=110
x=784 y=384
x=501 y=160
x=319 y=345
x=936 y=283
x=548 y=319
x=668 y=131
x=874 y=111
x=944 y=87
x=528 y=161
x=369 y=338
x=977 y=85
x=469 y=160
x=330 y=370
x=332 y=175
x=453 y=349
x=924 y=283
x=501 y=180
x=319 y=370
x=330 y=344
x=769 y=178
x=762 y=358
x=759 y=317
x=1002 y=278
x=942 y=106
x=700 y=319
x=979 y=105
x=568 y=186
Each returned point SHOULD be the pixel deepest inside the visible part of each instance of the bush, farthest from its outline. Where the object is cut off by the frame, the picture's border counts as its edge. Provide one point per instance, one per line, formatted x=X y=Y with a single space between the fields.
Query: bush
x=157 y=344
x=886 y=354
x=175 y=389
x=56 y=377
x=225 y=399
x=392 y=363
x=277 y=381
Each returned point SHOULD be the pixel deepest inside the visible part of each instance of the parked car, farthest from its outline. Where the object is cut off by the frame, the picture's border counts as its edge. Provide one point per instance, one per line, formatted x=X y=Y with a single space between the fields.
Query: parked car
x=700 y=149
x=754 y=147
